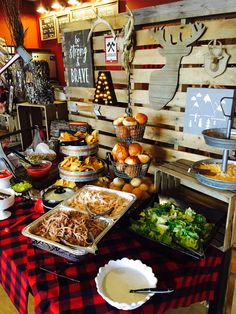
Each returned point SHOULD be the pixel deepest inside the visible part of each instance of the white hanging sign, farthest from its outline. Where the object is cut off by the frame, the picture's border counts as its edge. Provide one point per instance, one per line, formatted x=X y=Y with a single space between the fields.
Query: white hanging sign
x=111 y=54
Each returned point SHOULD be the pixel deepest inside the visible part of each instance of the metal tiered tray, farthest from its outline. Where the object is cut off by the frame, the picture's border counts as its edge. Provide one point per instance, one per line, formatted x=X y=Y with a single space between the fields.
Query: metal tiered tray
x=218 y=138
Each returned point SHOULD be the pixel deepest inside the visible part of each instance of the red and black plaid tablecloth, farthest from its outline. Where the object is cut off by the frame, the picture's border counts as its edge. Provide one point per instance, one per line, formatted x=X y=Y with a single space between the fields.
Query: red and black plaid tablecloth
x=193 y=280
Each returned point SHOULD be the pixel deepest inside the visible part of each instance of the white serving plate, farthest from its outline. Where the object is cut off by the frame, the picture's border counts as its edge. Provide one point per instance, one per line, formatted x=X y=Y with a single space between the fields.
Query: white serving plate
x=117 y=278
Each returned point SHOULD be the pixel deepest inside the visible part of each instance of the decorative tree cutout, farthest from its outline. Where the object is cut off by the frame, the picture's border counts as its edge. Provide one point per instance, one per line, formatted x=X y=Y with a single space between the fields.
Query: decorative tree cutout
x=104 y=92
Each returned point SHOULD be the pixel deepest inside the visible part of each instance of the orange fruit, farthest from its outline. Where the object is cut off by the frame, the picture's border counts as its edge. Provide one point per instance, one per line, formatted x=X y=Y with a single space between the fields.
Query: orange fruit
x=138 y=193
x=127 y=188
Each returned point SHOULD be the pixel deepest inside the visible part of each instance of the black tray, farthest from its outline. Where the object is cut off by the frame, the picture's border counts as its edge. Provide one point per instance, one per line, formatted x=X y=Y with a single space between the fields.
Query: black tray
x=213 y=216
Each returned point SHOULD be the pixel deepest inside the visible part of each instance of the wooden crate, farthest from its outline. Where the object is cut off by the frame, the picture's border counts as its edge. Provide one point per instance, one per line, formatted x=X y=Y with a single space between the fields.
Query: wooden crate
x=175 y=176
x=36 y=114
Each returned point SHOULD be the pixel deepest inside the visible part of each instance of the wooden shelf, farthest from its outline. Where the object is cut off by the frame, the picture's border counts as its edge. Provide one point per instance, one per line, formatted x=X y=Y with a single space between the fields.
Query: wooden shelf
x=37 y=114
x=172 y=176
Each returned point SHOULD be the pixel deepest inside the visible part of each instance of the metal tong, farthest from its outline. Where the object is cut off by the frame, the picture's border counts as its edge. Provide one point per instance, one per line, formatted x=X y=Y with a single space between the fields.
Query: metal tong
x=152 y=290
x=95 y=216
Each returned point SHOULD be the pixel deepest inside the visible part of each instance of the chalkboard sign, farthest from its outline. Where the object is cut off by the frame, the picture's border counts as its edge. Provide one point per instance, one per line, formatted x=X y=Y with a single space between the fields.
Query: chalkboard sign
x=78 y=58
x=48 y=27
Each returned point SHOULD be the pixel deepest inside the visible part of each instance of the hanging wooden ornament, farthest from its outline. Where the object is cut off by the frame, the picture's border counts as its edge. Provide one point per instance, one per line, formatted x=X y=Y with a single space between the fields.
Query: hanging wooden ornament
x=104 y=92
x=215 y=61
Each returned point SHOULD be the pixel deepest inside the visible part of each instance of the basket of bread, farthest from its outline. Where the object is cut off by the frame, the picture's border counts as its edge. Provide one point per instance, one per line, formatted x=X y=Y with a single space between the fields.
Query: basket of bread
x=130 y=128
x=129 y=160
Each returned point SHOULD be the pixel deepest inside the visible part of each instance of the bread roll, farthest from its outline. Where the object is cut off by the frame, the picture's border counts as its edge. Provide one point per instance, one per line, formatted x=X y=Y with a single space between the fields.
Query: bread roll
x=119 y=152
x=134 y=149
x=132 y=160
x=144 y=159
x=118 y=182
x=129 y=121
x=118 y=121
x=135 y=182
x=141 y=118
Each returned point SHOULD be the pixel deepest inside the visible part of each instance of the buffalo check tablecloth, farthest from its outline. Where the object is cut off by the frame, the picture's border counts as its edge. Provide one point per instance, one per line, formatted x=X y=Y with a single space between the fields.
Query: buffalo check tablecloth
x=20 y=273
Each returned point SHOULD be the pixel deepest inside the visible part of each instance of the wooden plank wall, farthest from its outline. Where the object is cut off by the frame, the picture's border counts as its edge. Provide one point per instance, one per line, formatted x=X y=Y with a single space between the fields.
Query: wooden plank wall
x=164 y=137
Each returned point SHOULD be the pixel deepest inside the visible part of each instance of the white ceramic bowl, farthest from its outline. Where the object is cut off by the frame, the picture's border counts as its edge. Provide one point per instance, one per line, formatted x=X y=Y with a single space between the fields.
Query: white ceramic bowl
x=5 y=181
x=116 y=278
x=6 y=203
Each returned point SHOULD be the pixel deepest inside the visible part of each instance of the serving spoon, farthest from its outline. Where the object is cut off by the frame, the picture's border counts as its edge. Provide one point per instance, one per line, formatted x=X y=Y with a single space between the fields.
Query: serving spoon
x=152 y=290
x=95 y=216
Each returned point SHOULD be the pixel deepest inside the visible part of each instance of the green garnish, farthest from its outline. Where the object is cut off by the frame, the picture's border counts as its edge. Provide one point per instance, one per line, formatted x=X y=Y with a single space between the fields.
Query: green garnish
x=21 y=186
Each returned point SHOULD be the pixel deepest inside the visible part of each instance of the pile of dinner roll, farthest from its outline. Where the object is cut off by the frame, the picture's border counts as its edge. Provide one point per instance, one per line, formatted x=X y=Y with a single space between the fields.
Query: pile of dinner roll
x=127 y=156
x=141 y=187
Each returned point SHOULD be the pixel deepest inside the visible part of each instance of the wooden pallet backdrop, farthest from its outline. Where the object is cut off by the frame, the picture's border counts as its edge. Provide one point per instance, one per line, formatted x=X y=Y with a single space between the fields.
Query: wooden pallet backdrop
x=164 y=136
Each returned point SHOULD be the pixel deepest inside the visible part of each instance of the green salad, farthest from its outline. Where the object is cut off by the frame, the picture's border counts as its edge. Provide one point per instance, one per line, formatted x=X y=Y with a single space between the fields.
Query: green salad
x=171 y=224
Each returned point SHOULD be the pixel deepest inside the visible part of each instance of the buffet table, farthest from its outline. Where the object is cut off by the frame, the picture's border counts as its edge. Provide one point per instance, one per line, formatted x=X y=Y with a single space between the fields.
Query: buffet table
x=193 y=280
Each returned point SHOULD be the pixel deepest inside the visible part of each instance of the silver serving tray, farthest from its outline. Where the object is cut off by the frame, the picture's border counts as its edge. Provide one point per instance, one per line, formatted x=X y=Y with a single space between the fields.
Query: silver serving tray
x=217 y=138
x=81 y=176
x=66 y=250
x=218 y=184
x=128 y=196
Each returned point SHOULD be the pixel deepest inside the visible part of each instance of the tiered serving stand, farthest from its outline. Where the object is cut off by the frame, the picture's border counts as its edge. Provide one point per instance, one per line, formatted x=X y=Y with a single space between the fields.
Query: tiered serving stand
x=224 y=138
x=128 y=134
x=81 y=151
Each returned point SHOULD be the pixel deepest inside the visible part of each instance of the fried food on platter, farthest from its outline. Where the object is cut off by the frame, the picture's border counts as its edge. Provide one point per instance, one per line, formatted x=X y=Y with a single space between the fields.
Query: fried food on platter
x=73 y=163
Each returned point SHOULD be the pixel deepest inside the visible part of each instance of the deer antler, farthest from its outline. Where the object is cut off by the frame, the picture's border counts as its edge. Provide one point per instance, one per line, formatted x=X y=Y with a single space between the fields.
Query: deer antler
x=197 y=30
x=100 y=20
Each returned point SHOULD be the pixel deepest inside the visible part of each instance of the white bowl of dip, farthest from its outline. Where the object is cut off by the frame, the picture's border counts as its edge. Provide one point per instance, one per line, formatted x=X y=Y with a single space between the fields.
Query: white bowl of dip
x=117 y=278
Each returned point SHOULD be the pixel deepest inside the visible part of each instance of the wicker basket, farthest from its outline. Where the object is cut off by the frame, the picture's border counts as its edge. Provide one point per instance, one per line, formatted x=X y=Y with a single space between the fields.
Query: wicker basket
x=129 y=171
x=129 y=133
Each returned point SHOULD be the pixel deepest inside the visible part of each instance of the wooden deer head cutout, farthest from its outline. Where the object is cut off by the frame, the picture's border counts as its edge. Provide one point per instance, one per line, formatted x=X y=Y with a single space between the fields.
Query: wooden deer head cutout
x=164 y=82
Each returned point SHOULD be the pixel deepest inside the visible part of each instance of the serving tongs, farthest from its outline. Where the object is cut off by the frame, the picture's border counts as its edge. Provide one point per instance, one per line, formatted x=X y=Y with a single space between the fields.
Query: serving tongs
x=91 y=248
x=22 y=157
x=102 y=214
x=152 y=290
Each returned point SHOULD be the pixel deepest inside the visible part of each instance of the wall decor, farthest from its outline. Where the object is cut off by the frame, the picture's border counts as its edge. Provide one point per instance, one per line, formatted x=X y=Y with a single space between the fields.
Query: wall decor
x=78 y=58
x=47 y=26
x=204 y=108
x=215 y=61
x=111 y=53
x=60 y=20
x=164 y=82
x=104 y=92
x=100 y=20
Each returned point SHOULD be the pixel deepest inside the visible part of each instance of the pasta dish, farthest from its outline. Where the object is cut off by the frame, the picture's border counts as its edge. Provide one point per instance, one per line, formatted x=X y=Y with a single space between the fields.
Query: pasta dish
x=98 y=202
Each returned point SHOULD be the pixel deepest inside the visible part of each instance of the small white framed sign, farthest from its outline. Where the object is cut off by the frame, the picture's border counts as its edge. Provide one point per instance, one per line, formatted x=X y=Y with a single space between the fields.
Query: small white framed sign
x=111 y=53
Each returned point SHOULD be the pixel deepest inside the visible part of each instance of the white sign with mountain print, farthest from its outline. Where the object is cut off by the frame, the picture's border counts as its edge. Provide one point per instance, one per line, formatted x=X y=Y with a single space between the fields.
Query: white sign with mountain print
x=207 y=108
